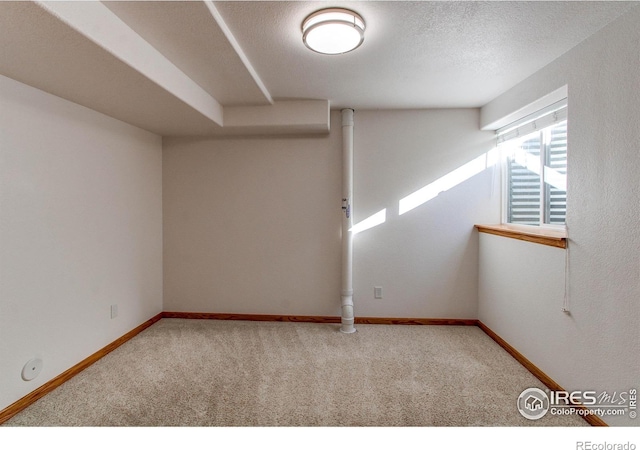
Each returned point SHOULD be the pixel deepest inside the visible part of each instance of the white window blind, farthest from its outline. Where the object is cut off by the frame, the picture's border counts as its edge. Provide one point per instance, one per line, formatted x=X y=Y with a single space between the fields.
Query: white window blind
x=536 y=167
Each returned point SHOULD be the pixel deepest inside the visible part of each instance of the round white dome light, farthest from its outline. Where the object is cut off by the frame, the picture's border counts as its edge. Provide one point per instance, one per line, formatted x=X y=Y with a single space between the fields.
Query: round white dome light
x=333 y=31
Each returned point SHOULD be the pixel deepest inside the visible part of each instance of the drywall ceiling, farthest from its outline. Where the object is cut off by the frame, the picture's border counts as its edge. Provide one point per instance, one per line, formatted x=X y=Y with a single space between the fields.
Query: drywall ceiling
x=239 y=67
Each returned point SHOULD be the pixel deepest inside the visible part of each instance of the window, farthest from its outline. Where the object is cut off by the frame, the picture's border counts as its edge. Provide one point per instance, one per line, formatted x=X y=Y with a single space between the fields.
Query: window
x=535 y=155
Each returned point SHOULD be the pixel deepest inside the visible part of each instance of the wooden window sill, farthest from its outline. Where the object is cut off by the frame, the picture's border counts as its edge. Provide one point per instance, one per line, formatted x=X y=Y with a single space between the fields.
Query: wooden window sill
x=544 y=236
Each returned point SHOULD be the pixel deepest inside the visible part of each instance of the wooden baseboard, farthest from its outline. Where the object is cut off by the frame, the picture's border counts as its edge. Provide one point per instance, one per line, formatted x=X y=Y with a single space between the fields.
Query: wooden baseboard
x=413 y=321
x=252 y=317
x=49 y=386
x=317 y=319
x=592 y=420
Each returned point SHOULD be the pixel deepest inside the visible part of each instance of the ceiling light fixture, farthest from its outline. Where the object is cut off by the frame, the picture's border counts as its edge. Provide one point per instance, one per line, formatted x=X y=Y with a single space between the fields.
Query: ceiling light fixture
x=333 y=31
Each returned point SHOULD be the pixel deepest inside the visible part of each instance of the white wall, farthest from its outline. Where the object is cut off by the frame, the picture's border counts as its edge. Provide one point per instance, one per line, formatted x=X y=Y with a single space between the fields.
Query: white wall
x=596 y=347
x=521 y=287
x=253 y=225
x=80 y=229
x=426 y=259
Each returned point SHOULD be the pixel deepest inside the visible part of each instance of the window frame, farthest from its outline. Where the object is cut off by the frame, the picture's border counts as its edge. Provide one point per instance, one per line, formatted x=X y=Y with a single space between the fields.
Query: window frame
x=524 y=122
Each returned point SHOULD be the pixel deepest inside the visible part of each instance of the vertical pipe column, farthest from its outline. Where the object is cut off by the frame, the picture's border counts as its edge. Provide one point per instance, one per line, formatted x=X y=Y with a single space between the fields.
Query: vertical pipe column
x=347 y=319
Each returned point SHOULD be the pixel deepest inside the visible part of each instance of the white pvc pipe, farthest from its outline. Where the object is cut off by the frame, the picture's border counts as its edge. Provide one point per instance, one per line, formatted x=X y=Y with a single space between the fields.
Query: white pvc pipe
x=347 y=318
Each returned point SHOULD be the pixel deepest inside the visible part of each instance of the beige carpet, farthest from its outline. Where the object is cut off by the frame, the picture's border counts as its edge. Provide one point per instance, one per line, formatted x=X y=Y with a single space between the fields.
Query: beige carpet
x=234 y=373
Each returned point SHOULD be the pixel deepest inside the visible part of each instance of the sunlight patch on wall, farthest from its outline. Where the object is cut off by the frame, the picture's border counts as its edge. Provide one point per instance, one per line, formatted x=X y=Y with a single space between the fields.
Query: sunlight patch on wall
x=372 y=221
x=446 y=182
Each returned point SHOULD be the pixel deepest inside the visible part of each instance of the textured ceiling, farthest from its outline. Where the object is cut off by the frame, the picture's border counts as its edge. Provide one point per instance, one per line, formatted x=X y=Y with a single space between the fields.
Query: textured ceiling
x=198 y=62
x=415 y=54
x=188 y=35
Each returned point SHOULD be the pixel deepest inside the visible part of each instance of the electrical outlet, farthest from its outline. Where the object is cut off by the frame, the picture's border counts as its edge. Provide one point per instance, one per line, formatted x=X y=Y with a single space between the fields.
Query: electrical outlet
x=114 y=311
x=377 y=292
